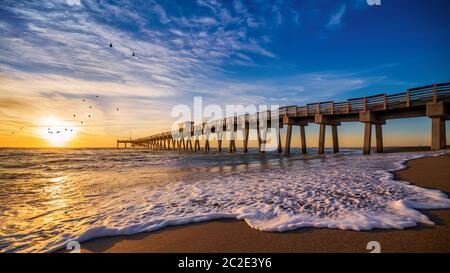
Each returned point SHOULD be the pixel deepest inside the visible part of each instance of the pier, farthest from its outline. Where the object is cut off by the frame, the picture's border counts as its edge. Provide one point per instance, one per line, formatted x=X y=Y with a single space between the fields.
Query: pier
x=427 y=101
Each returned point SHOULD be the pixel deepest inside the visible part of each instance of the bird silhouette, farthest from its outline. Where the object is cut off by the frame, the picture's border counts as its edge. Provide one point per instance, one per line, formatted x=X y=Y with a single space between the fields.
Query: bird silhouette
x=81 y=122
x=74 y=115
x=133 y=54
x=90 y=106
x=89 y=116
x=117 y=109
x=110 y=44
x=84 y=100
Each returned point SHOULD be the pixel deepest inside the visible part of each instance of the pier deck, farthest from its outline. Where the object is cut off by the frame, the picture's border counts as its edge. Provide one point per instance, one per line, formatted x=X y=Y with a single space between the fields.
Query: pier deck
x=427 y=101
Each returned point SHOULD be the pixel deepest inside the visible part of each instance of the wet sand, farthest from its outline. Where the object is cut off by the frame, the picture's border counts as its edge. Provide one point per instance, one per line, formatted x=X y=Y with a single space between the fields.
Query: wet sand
x=237 y=236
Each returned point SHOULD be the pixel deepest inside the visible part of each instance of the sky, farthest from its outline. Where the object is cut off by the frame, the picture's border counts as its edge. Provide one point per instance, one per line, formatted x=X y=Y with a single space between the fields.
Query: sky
x=55 y=54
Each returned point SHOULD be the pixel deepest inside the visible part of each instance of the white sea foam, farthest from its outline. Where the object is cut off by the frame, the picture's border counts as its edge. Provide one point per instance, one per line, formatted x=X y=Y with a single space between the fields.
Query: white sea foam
x=351 y=192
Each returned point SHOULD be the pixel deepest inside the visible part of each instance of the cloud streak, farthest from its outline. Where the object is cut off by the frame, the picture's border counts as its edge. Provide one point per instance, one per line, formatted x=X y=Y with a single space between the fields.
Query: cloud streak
x=55 y=53
x=336 y=19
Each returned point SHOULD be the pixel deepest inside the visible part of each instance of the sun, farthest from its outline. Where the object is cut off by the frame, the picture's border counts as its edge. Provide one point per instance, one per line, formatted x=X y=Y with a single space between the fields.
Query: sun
x=56 y=132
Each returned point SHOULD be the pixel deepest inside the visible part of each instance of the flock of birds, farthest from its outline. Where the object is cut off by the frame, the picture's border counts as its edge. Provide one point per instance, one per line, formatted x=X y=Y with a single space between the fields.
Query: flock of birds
x=50 y=131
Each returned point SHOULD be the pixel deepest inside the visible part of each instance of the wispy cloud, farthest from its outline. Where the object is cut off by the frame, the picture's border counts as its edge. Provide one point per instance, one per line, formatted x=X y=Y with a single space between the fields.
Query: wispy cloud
x=73 y=2
x=55 y=53
x=336 y=18
x=161 y=14
x=204 y=20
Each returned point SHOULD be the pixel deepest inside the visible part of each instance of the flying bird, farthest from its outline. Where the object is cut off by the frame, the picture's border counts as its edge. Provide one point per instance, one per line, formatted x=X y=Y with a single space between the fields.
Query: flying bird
x=110 y=44
x=133 y=54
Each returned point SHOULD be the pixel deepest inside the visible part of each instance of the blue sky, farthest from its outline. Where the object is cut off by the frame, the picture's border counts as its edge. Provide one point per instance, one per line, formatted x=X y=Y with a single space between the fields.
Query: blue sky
x=54 y=53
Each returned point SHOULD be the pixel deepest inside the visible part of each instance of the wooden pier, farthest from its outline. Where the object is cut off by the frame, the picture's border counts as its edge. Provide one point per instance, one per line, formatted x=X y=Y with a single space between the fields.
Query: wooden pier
x=427 y=101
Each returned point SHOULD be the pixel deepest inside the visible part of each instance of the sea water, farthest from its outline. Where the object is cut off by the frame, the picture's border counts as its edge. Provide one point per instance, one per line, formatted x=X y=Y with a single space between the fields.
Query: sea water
x=49 y=197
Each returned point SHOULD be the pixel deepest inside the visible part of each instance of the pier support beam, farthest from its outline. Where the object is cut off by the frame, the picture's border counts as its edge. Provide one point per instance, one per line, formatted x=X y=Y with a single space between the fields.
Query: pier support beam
x=197 y=144
x=367 y=137
x=219 y=141
x=370 y=118
x=287 y=148
x=322 y=138
x=280 y=148
x=262 y=139
x=207 y=143
x=437 y=112
x=292 y=121
x=379 y=136
x=246 y=134
x=303 y=138
x=258 y=135
x=334 y=132
x=438 y=138
x=232 y=147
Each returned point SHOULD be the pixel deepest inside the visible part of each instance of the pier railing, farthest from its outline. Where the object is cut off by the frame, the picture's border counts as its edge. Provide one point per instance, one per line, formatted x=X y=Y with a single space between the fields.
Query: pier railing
x=411 y=98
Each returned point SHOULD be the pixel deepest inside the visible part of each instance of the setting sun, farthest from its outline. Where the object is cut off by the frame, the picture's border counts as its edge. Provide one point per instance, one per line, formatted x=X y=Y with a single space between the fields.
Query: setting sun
x=56 y=132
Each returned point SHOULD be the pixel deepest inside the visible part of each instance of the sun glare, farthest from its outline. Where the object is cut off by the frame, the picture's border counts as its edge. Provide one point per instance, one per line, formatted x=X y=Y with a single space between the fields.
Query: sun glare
x=56 y=132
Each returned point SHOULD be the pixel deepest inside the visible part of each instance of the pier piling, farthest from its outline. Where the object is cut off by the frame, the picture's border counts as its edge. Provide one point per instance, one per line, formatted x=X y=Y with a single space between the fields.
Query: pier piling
x=303 y=138
x=426 y=101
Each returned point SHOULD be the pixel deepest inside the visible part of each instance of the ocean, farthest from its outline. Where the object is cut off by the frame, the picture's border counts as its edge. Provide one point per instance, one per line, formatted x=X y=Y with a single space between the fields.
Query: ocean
x=49 y=197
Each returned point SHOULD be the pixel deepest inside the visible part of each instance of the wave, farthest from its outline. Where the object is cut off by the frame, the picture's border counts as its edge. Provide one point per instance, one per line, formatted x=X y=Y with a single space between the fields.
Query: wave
x=351 y=192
